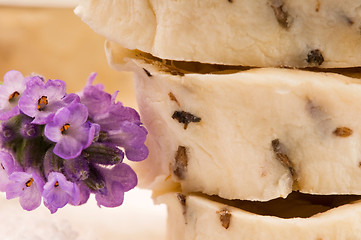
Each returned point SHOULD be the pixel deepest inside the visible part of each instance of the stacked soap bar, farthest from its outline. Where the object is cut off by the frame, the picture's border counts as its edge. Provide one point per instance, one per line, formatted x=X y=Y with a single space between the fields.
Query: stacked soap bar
x=218 y=126
x=261 y=33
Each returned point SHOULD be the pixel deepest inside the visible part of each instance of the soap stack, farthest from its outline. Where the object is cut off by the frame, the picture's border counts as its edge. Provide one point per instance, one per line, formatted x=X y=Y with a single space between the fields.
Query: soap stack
x=253 y=112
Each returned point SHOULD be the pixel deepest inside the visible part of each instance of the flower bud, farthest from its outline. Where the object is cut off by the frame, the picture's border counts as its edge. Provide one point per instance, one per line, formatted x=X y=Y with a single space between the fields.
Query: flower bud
x=52 y=162
x=95 y=181
x=76 y=169
x=29 y=130
x=103 y=153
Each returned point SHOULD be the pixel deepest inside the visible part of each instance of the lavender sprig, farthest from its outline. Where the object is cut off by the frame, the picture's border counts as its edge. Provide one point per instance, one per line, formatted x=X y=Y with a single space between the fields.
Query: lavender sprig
x=60 y=147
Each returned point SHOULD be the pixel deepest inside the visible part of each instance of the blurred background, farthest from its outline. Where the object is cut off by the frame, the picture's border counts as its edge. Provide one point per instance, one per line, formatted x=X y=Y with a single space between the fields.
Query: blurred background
x=45 y=37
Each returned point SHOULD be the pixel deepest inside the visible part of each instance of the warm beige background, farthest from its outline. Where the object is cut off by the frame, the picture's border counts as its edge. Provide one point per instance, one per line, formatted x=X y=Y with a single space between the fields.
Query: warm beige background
x=57 y=44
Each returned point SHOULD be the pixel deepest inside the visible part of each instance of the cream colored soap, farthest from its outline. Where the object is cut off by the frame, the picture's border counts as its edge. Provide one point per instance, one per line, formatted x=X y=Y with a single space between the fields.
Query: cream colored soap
x=256 y=134
x=196 y=217
x=261 y=33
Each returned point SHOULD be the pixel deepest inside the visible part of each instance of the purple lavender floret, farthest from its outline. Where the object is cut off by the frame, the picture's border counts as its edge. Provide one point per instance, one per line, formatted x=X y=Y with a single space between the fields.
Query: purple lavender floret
x=28 y=186
x=70 y=130
x=10 y=93
x=7 y=167
x=41 y=100
x=119 y=179
x=58 y=191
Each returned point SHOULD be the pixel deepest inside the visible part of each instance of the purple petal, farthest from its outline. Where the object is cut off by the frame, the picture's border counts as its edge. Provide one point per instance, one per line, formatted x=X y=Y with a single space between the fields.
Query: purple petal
x=43 y=118
x=70 y=98
x=96 y=100
x=79 y=114
x=93 y=131
x=12 y=77
x=13 y=82
x=58 y=191
x=55 y=89
x=57 y=198
x=9 y=114
x=31 y=199
x=78 y=136
x=40 y=182
x=8 y=162
x=7 y=167
x=84 y=195
x=14 y=190
x=121 y=173
x=123 y=113
x=20 y=177
x=30 y=196
x=34 y=88
x=131 y=137
x=91 y=78
x=137 y=154
x=28 y=101
x=114 y=196
x=4 y=180
x=53 y=129
x=117 y=115
x=119 y=179
x=68 y=147
x=124 y=174
x=50 y=207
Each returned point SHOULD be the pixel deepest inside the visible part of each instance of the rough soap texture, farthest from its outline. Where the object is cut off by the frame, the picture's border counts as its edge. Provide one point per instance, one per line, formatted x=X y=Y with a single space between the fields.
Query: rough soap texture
x=262 y=33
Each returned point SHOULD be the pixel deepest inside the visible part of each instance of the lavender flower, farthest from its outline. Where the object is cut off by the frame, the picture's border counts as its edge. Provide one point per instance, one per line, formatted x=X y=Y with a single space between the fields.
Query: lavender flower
x=77 y=142
x=119 y=179
x=58 y=192
x=7 y=167
x=10 y=92
x=70 y=130
x=41 y=100
x=28 y=186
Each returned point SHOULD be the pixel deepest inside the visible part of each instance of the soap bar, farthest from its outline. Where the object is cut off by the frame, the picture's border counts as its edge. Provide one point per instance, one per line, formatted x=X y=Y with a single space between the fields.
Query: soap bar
x=255 y=134
x=201 y=218
x=261 y=33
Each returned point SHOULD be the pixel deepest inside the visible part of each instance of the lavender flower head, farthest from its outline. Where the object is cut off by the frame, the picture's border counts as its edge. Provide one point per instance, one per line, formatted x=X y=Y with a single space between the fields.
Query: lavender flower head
x=63 y=147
